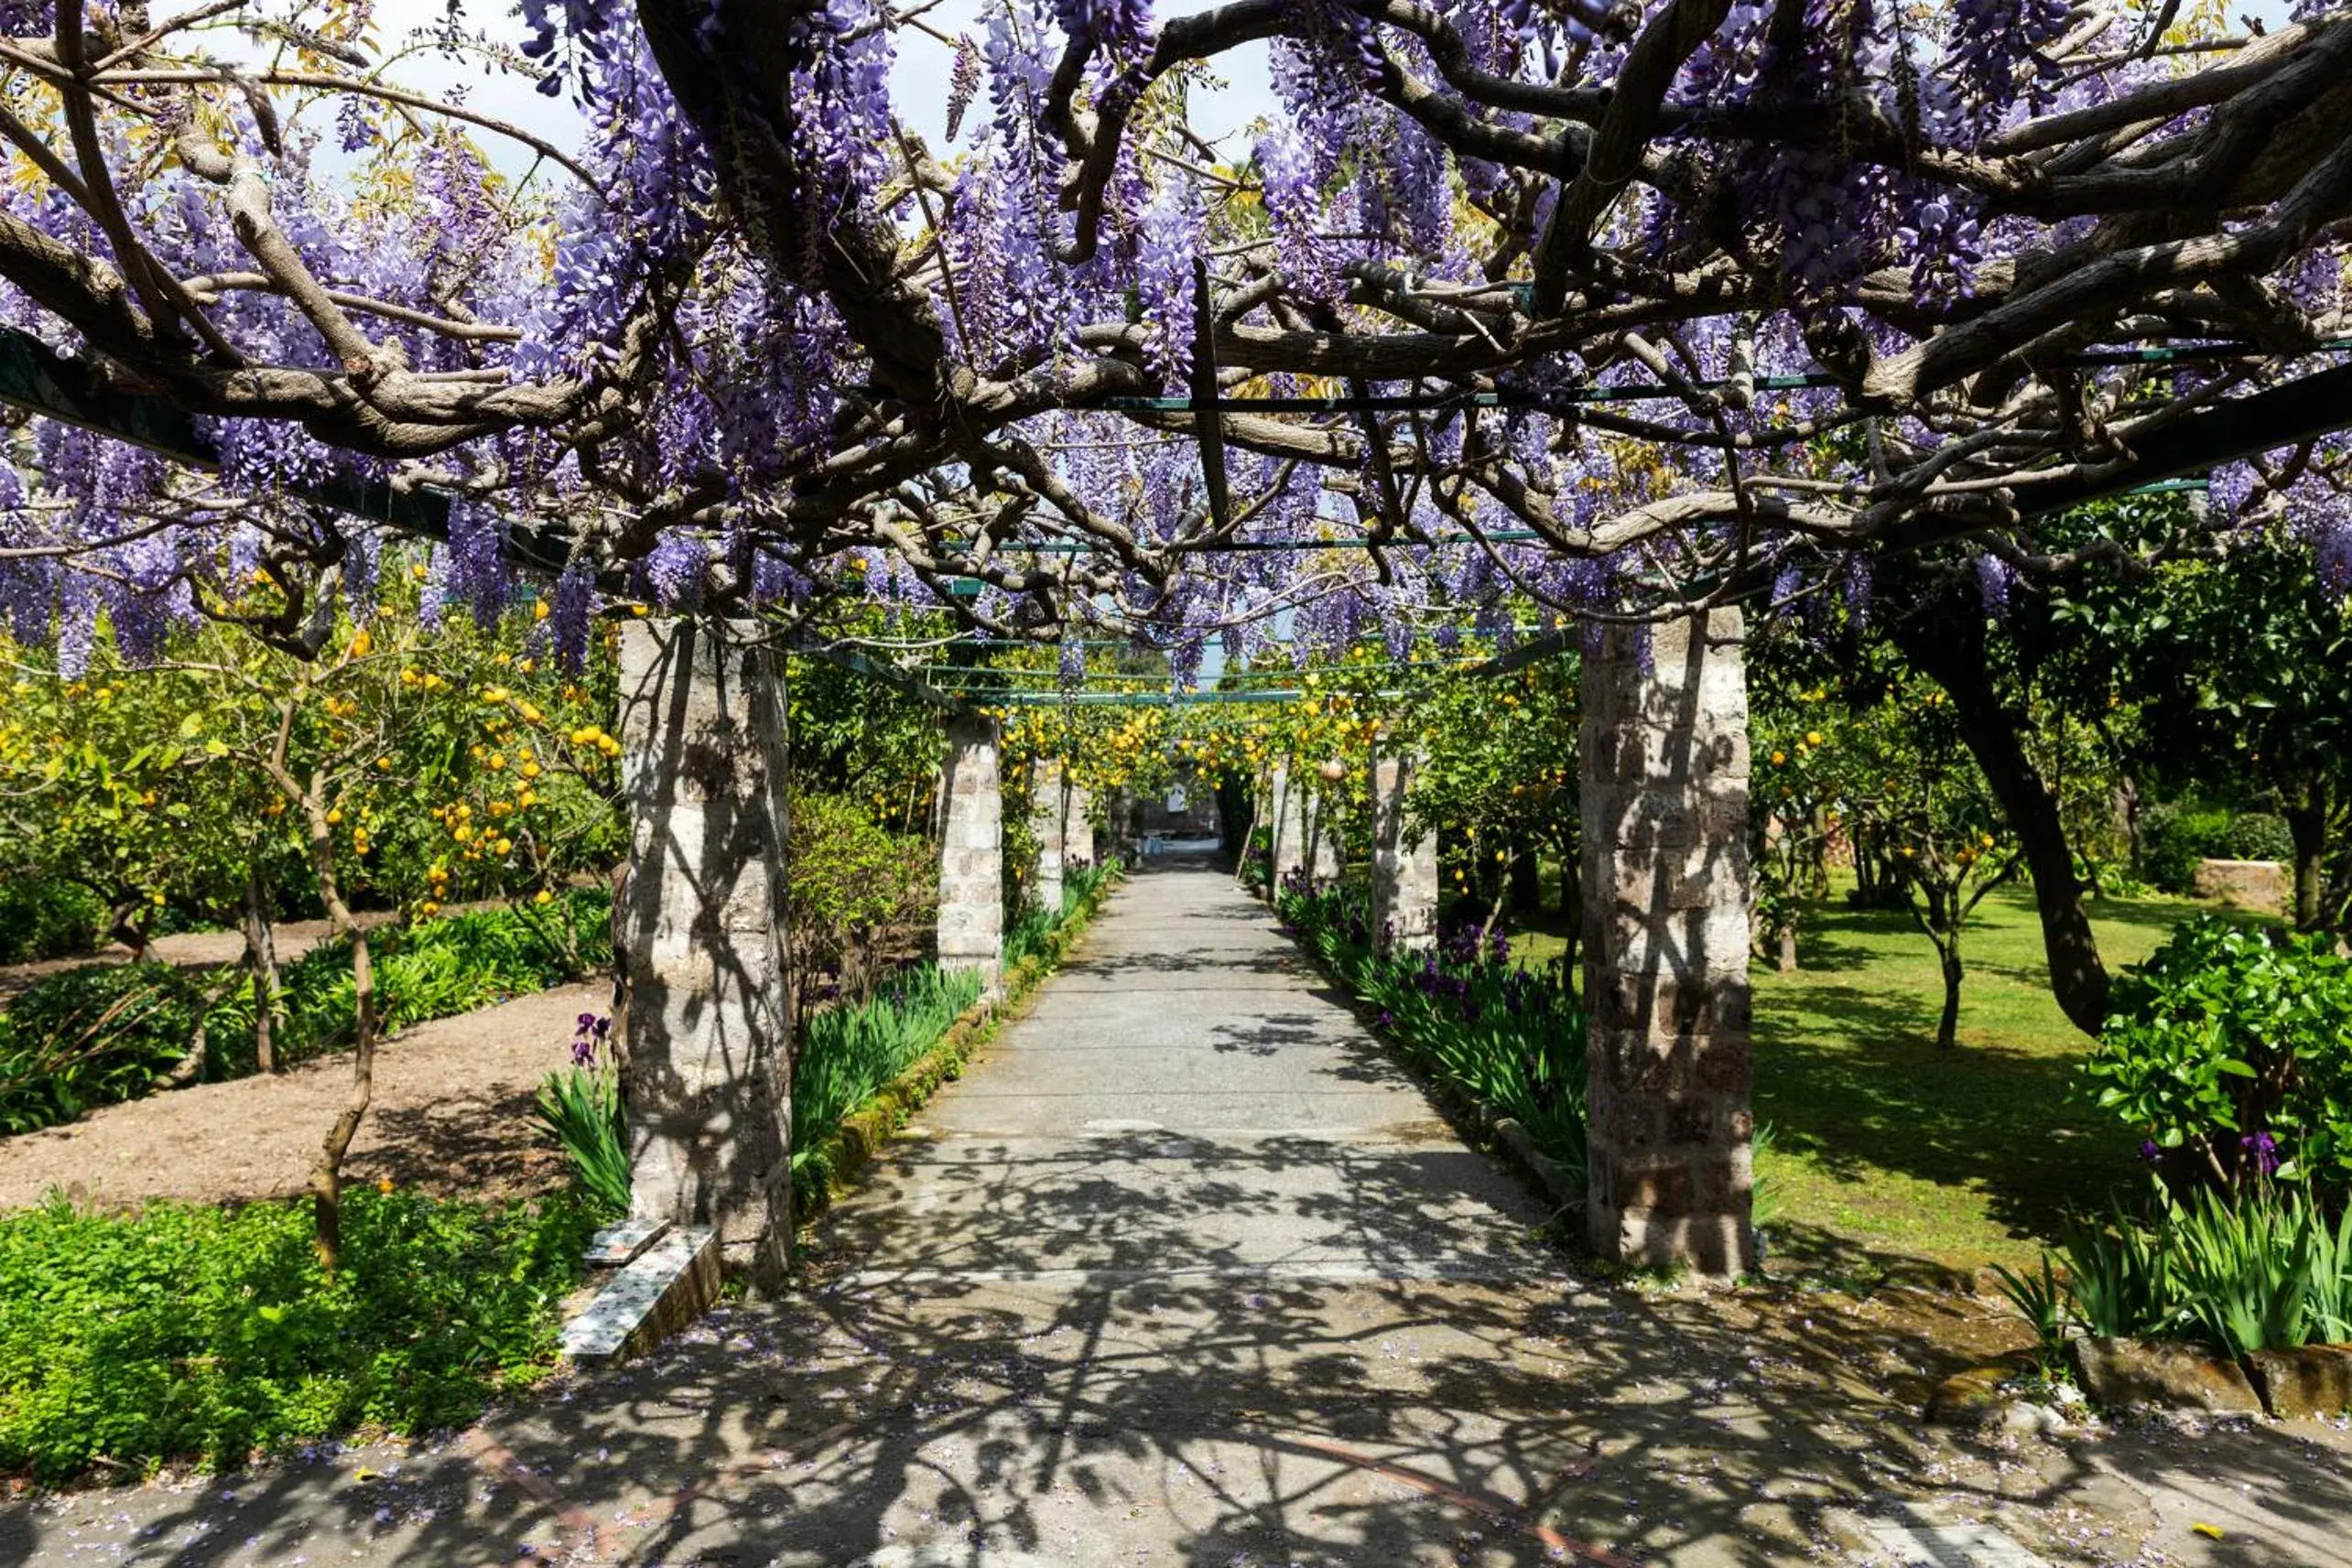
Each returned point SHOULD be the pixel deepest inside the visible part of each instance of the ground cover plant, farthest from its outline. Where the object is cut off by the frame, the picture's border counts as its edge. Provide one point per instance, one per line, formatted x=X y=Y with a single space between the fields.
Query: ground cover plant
x=848 y=1053
x=208 y=1333
x=92 y=1036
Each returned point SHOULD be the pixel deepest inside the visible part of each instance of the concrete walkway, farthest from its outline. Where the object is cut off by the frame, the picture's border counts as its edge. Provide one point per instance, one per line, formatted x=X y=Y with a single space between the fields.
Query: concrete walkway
x=1184 y=1272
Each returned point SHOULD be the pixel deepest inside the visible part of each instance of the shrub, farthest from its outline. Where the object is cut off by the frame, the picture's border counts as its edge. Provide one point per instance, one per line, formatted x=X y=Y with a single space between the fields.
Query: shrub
x=2258 y=836
x=2230 y=1052
x=2175 y=837
x=853 y=883
x=204 y=1333
x=40 y=918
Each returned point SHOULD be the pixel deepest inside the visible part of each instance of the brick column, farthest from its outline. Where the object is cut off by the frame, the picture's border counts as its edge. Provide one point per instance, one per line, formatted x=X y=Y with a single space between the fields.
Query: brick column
x=1077 y=823
x=1046 y=808
x=1404 y=871
x=1664 y=754
x=705 y=1011
x=971 y=852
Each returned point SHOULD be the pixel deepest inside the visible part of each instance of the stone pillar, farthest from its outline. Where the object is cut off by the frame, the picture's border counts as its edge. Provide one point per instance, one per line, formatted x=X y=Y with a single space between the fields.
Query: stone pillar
x=1405 y=871
x=705 y=1010
x=1077 y=823
x=1323 y=835
x=1046 y=808
x=1664 y=753
x=1289 y=804
x=971 y=852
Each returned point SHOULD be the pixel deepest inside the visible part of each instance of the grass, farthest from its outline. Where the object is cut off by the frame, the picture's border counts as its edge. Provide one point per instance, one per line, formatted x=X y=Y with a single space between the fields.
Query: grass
x=208 y=1334
x=1888 y=1152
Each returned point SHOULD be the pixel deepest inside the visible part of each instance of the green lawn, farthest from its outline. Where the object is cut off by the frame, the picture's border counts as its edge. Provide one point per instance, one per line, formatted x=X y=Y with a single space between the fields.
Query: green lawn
x=1888 y=1153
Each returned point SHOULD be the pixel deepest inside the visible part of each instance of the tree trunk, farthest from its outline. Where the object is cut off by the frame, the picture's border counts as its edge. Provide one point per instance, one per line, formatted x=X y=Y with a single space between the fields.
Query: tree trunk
x=261 y=962
x=1526 y=878
x=327 y=1176
x=1947 y=1027
x=2307 y=823
x=129 y=925
x=1950 y=648
x=189 y=1069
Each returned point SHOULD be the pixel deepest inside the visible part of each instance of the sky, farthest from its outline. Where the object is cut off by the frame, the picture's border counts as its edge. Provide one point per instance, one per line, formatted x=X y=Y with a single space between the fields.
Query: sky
x=918 y=82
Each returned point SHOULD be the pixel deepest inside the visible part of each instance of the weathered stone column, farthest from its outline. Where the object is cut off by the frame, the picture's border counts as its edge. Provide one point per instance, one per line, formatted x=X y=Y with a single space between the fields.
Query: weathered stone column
x=1289 y=836
x=1405 y=869
x=971 y=852
x=1045 y=823
x=1077 y=823
x=1323 y=837
x=705 y=1010
x=1664 y=755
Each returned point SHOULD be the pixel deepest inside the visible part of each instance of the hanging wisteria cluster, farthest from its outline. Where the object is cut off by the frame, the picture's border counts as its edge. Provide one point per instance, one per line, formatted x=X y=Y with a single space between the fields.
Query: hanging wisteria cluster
x=1596 y=307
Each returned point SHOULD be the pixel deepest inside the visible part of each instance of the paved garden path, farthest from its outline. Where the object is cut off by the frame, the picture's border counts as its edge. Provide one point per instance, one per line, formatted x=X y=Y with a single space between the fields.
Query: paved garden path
x=1184 y=1272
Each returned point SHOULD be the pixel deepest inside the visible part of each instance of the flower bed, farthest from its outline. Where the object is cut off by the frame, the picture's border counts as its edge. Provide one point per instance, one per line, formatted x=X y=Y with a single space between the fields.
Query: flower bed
x=1507 y=1040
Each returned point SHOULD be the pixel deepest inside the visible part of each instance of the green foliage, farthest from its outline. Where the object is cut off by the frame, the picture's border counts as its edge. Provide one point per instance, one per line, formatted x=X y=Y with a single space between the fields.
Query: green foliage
x=92 y=1036
x=850 y=1051
x=581 y=1108
x=1511 y=1037
x=2041 y=1300
x=2119 y=1279
x=2261 y=1271
x=2259 y=836
x=47 y=917
x=2225 y=671
x=2228 y=1037
x=406 y=763
x=852 y=884
x=207 y=1333
x=2174 y=836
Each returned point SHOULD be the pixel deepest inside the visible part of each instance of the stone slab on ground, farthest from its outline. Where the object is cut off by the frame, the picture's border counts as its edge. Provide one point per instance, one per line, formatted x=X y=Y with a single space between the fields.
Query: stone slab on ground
x=615 y=1246
x=2163 y=1374
x=667 y=1286
x=2315 y=1380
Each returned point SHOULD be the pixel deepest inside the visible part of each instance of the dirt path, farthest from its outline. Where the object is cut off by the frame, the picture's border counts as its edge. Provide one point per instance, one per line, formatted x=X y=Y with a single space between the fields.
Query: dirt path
x=452 y=1114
